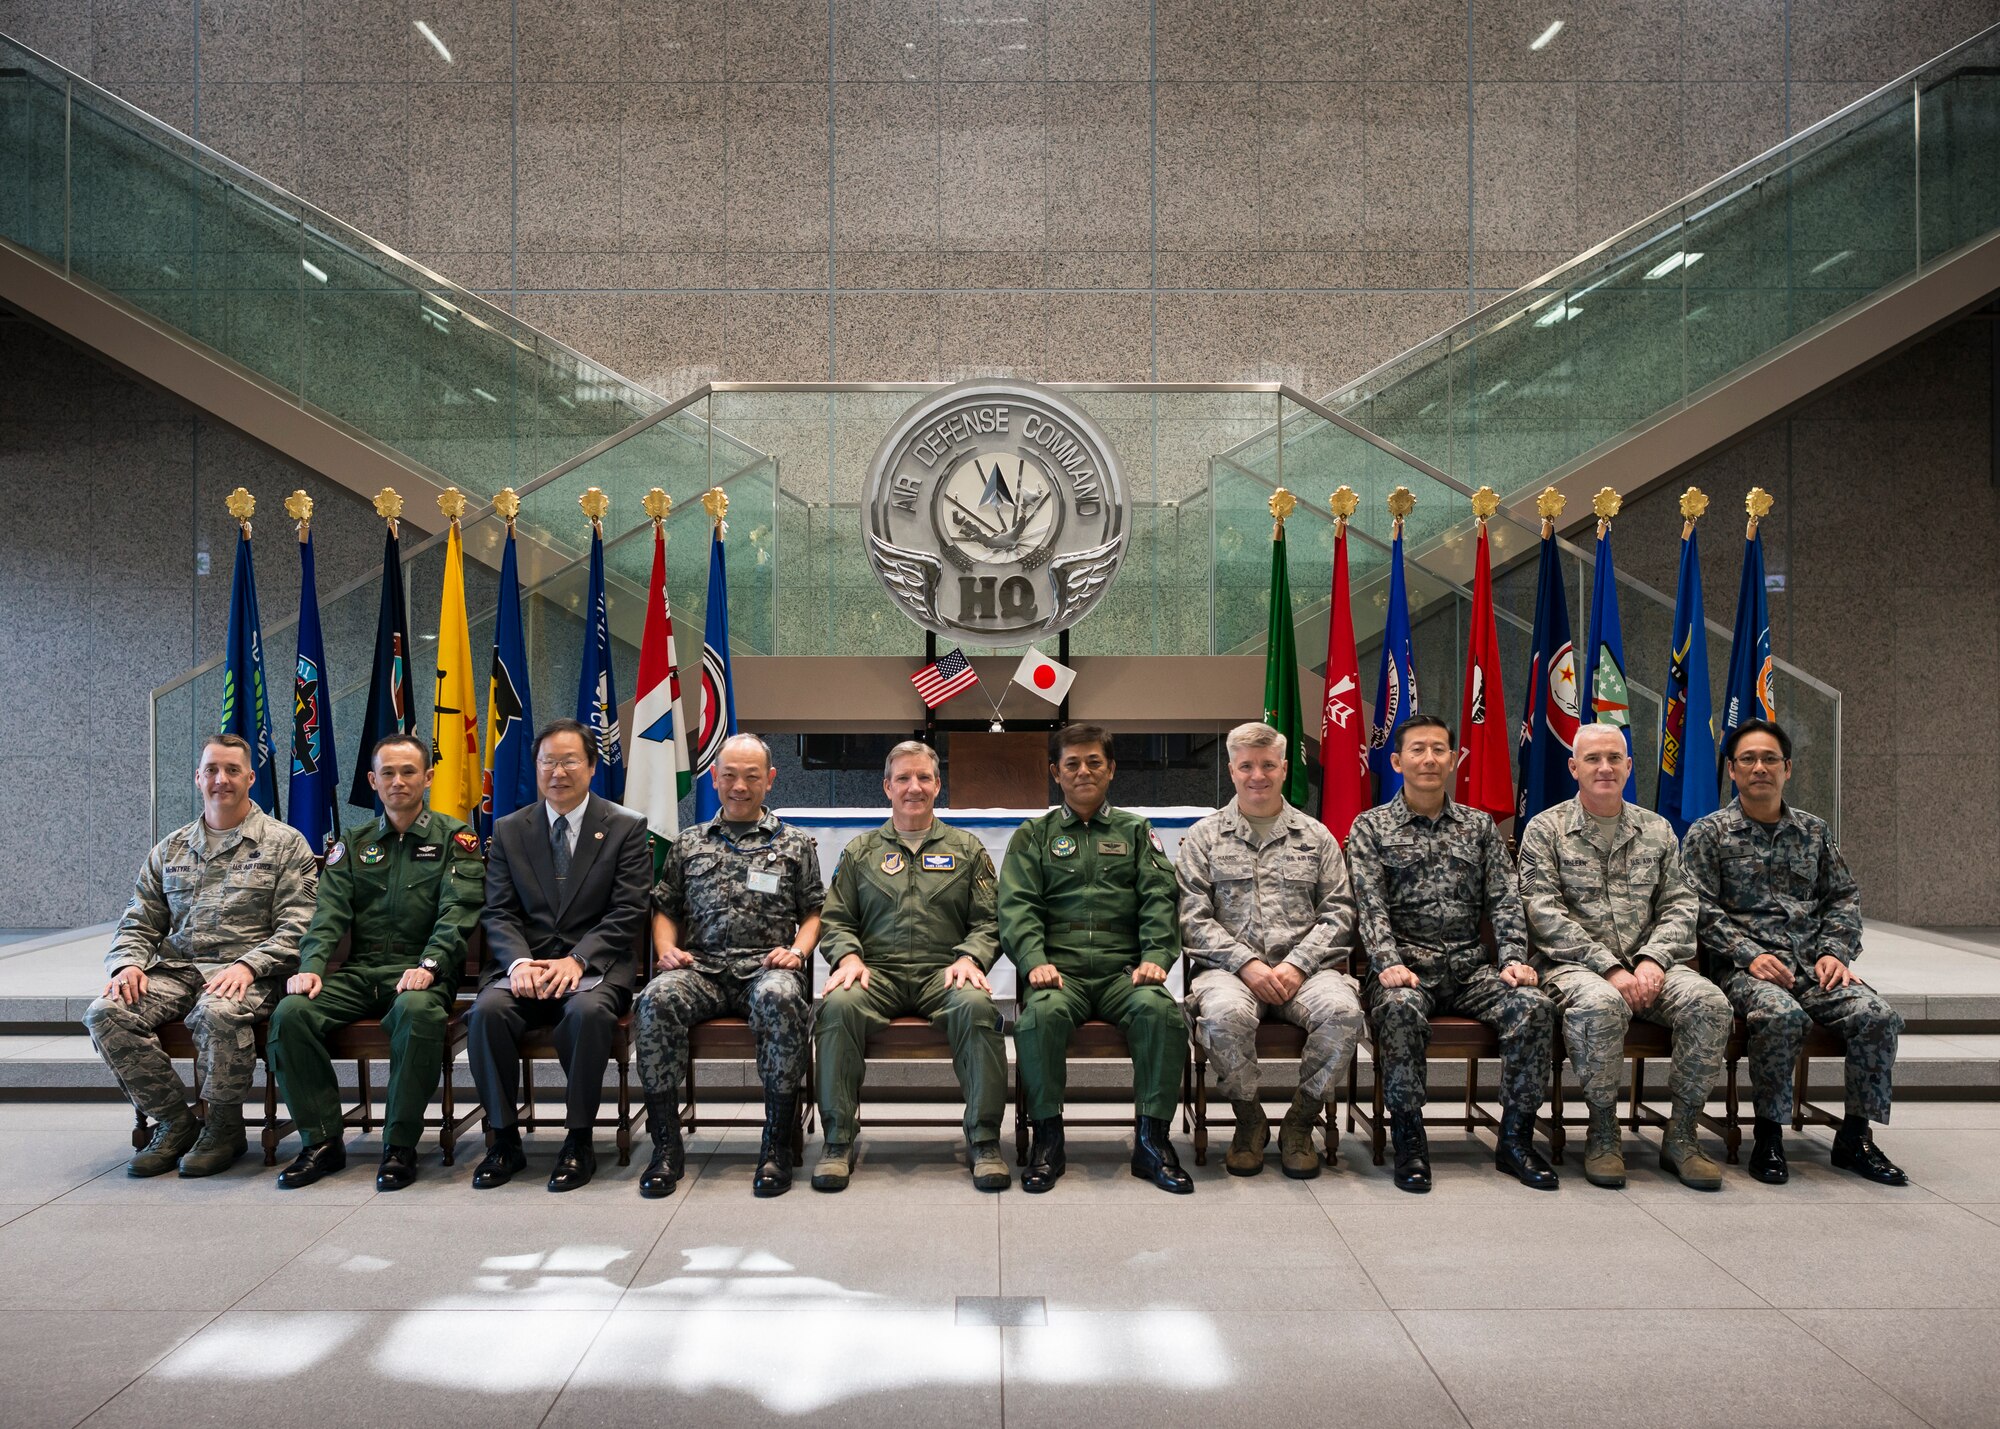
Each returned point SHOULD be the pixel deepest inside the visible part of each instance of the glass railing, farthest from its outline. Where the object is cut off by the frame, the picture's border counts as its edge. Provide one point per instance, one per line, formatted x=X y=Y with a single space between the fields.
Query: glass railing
x=317 y=309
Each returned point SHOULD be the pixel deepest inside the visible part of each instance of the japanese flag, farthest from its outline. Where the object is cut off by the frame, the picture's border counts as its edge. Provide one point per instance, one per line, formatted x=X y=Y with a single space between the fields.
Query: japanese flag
x=1043 y=676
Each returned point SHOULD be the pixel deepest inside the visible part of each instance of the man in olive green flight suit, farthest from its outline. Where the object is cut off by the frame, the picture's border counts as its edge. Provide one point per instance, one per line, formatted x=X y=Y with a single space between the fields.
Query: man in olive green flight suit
x=406 y=889
x=908 y=931
x=1089 y=914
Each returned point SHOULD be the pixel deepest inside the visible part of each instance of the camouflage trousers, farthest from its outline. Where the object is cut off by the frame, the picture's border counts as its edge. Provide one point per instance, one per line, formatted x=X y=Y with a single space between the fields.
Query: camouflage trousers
x=1462 y=986
x=224 y=1030
x=1776 y=1021
x=777 y=1003
x=1595 y=1018
x=1226 y=1015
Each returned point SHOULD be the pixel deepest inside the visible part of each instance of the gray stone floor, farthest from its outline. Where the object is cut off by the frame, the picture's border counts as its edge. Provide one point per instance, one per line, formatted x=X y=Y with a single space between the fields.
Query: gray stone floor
x=914 y=1298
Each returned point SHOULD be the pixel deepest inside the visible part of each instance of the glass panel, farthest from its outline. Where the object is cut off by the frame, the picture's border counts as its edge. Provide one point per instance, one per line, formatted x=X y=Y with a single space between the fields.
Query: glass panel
x=31 y=155
x=1959 y=136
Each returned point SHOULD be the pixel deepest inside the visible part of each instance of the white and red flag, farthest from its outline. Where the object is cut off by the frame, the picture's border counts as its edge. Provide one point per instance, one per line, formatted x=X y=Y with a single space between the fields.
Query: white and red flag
x=1040 y=675
x=1343 y=735
x=660 y=774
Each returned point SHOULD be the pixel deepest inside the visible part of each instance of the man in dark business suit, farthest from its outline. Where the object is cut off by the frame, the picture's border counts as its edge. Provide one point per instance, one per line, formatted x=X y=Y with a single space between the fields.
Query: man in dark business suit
x=567 y=884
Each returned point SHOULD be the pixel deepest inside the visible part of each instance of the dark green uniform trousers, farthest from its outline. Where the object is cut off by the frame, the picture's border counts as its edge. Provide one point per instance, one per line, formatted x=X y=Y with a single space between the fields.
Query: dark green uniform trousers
x=1148 y=1016
x=967 y=1017
x=415 y=1023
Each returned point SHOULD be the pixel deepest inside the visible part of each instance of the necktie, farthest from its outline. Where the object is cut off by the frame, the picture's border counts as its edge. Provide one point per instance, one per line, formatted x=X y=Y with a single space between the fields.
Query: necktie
x=559 y=848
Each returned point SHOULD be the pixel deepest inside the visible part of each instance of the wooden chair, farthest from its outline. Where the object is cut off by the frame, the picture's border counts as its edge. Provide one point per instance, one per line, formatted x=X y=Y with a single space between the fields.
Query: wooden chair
x=730 y=1039
x=1644 y=1042
x=1093 y=1041
x=910 y=1039
x=1274 y=1040
x=1454 y=1039
x=178 y=1043
x=1820 y=1042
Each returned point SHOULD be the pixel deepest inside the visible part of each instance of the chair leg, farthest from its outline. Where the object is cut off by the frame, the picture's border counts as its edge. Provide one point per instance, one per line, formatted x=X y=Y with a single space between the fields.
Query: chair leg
x=1471 y=1089
x=1558 y=1134
x=1378 y=1131
x=447 y=1136
x=1800 y=1076
x=624 y=1112
x=693 y=1109
x=1200 y=1110
x=1732 y=1112
x=1332 y=1127
x=367 y=1096
x=1020 y=1122
x=140 y=1135
x=1638 y=1089
x=269 y=1136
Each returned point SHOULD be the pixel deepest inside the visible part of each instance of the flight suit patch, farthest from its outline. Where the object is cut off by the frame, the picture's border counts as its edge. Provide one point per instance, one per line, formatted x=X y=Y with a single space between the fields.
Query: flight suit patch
x=336 y=854
x=940 y=862
x=1063 y=846
x=1113 y=846
x=466 y=840
x=429 y=853
x=372 y=856
x=892 y=862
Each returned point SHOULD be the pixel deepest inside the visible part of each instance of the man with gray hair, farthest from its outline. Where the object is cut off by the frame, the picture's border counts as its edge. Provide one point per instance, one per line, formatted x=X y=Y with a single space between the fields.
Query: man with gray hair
x=910 y=932
x=1267 y=918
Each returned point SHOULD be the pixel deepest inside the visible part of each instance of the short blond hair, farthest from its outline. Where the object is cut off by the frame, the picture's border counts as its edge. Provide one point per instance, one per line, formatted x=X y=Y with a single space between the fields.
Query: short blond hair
x=1254 y=735
x=909 y=749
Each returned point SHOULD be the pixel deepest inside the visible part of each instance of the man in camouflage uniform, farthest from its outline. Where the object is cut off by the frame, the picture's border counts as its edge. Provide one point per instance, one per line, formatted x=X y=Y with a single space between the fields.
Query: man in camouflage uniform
x=1088 y=914
x=1612 y=927
x=405 y=890
x=735 y=920
x=1780 y=926
x=212 y=929
x=1267 y=920
x=909 y=931
x=1426 y=872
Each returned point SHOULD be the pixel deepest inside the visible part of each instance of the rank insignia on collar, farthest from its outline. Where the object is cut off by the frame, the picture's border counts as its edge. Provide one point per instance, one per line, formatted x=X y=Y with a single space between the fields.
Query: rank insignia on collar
x=1063 y=846
x=336 y=854
x=892 y=861
x=372 y=856
x=940 y=862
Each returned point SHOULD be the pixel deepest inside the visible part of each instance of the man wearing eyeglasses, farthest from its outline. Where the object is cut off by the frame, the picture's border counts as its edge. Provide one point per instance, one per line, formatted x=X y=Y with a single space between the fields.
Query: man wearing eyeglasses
x=1780 y=926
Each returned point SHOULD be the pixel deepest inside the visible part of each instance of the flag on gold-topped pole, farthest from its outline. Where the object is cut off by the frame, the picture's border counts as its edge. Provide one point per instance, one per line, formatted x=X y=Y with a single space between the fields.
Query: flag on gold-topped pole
x=1281 y=656
x=1343 y=735
x=1484 y=779
x=659 y=775
x=456 y=780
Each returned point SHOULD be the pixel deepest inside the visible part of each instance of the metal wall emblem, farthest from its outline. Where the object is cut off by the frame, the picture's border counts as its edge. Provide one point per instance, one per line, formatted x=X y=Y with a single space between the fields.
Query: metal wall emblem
x=996 y=512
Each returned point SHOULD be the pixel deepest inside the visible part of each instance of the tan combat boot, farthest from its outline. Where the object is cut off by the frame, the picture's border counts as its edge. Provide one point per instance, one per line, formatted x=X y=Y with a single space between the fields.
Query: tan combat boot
x=1253 y=1134
x=834 y=1167
x=1295 y=1139
x=989 y=1167
x=221 y=1143
x=1604 y=1151
x=171 y=1139
x=1681 y=1153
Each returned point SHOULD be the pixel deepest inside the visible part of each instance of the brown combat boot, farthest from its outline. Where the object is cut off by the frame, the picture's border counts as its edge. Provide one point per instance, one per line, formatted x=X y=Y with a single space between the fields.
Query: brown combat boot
x=1253 y=1134
x=1295 y=1139
x=221 y=1144
x=1604 y=1151
x=1681 y=1153
x=170 y=1141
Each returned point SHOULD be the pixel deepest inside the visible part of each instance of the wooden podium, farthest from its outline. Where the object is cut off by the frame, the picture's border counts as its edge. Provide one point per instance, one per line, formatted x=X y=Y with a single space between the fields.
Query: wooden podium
x=998 y=771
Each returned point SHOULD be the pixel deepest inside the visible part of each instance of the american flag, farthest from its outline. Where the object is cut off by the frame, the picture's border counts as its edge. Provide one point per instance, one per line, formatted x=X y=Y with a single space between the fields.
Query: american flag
x=949 y=676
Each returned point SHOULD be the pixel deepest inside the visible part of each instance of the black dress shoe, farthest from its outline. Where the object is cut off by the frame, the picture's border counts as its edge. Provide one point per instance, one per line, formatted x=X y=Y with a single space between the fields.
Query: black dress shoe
x=576 y=1163
x=1767 y=1154
x=322 y=1158
x=774 y=1156
x=1046 y=1161
x=503 y=1162
x=663 y=1172
x=1413 y=1152
x=1516 y=1154
x=1857 y=1152
x=1153 y=1157
x=398 y=1168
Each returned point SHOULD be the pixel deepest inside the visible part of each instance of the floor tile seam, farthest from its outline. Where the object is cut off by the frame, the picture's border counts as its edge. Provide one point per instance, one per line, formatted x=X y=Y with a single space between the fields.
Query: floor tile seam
x=1457 y=1408
x=1892 y=1396
x=303 y=1250
x=1369 y=1276
x=151 y=1365
x=1727 y=1273
x=563 y=1388
x=673 y=1213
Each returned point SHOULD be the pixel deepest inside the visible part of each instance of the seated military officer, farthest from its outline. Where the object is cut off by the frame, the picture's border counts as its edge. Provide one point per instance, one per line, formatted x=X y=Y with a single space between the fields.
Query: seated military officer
x=1780 y=927
x=1427 y=871
x=212 y=929
x=1088 y=914
x=735 y=920
x=1612 y=927
x=908 y=931
x=1267 y=918
x=404 y=889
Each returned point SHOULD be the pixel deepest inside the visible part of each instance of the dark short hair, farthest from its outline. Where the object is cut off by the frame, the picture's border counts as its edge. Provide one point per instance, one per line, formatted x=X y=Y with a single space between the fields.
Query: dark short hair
x=569 y=726
x=1757 y=726
x=1425 y=721
x=422 y=746
x=228 y=741
x=1072 y=736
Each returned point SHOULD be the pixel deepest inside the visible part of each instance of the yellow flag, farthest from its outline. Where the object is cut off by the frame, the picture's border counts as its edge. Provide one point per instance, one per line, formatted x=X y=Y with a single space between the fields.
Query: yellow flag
x=455 y=716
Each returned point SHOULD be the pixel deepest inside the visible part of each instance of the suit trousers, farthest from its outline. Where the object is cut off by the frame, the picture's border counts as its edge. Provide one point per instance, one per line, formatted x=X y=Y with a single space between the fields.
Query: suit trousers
x=585 y=1023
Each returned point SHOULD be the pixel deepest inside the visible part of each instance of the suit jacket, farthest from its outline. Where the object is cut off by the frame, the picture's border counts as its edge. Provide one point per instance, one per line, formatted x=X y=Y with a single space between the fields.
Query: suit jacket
x=604 y=913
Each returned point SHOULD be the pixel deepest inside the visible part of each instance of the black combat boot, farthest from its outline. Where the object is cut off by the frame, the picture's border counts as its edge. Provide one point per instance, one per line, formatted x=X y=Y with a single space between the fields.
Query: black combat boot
x=1767 y=1154
x=1413 y=1152
x=774 y=1156
x=1153 y=1157
x=663 y=1172
x=1045 y=1156
x=1855 y=1150
x=504 y=1160
x=1516 y=1154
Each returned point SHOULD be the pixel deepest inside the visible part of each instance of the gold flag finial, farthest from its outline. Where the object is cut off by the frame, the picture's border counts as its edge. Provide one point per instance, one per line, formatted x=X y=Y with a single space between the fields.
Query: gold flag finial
x=451 y=501
x=594 y=503
x=1401 y=502
x=242 y=505
x=1549 y=505
x=657 y=504
x=1485 y=502
x=388 y=505
x=507 y=504
x=1282 y=504
x=1694 y=504
x=1344 y=503
x=299 y=507
x=1606 y=503
x=715 y=501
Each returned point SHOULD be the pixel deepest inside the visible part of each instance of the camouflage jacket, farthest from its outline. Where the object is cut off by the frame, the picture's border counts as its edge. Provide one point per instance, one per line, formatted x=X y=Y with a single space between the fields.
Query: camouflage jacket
x=735 y=900
x=1605 y=911
x=913 y=911
x=1784 y=890
x=1422 y=886
x=209 y=899
x=1287 y=901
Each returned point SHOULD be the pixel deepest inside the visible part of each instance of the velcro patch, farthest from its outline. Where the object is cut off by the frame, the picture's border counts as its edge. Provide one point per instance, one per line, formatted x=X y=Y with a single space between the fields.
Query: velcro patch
x=1113 y=846
x=465 y=841
x=428 y=853
x=940 y=862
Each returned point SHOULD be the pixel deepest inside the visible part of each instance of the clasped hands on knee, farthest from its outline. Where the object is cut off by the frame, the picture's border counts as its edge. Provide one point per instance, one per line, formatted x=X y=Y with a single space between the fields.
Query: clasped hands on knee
x=541 y=977
x=1272 y=984
x=1829 y=971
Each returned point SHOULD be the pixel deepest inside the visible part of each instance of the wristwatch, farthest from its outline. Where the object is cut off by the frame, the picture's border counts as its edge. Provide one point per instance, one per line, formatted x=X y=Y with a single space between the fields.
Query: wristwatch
x=429 y=965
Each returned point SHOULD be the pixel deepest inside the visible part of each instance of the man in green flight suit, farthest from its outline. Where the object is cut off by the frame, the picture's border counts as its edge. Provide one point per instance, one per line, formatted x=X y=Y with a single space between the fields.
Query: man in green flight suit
x=1089 y=914
x=908 y=931
x=406 y=889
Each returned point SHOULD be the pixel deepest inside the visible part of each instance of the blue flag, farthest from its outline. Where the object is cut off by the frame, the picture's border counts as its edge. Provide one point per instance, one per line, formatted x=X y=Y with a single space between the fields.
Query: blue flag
x=718 y=690
x=596 y=702
x=314 y=792
x=510 y=715
x=392 y=706
x=246 y=699
x=1549 y=718
x=1604 y=656
x=1748 y=696
x=1396 y=684
x=1687 y=729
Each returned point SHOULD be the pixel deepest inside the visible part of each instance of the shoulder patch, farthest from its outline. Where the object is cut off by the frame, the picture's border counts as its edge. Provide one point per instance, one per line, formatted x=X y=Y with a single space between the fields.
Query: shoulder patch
x=465 y=841
x=336 y=854
x=1158 y=847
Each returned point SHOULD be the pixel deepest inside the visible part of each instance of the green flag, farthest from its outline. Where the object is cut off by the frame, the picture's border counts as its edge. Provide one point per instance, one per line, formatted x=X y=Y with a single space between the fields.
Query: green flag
x=1281 y=674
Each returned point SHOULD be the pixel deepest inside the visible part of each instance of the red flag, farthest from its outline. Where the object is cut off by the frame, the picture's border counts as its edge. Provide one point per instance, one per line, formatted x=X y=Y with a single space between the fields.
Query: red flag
x=1485 y=768
x=1343 y=733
